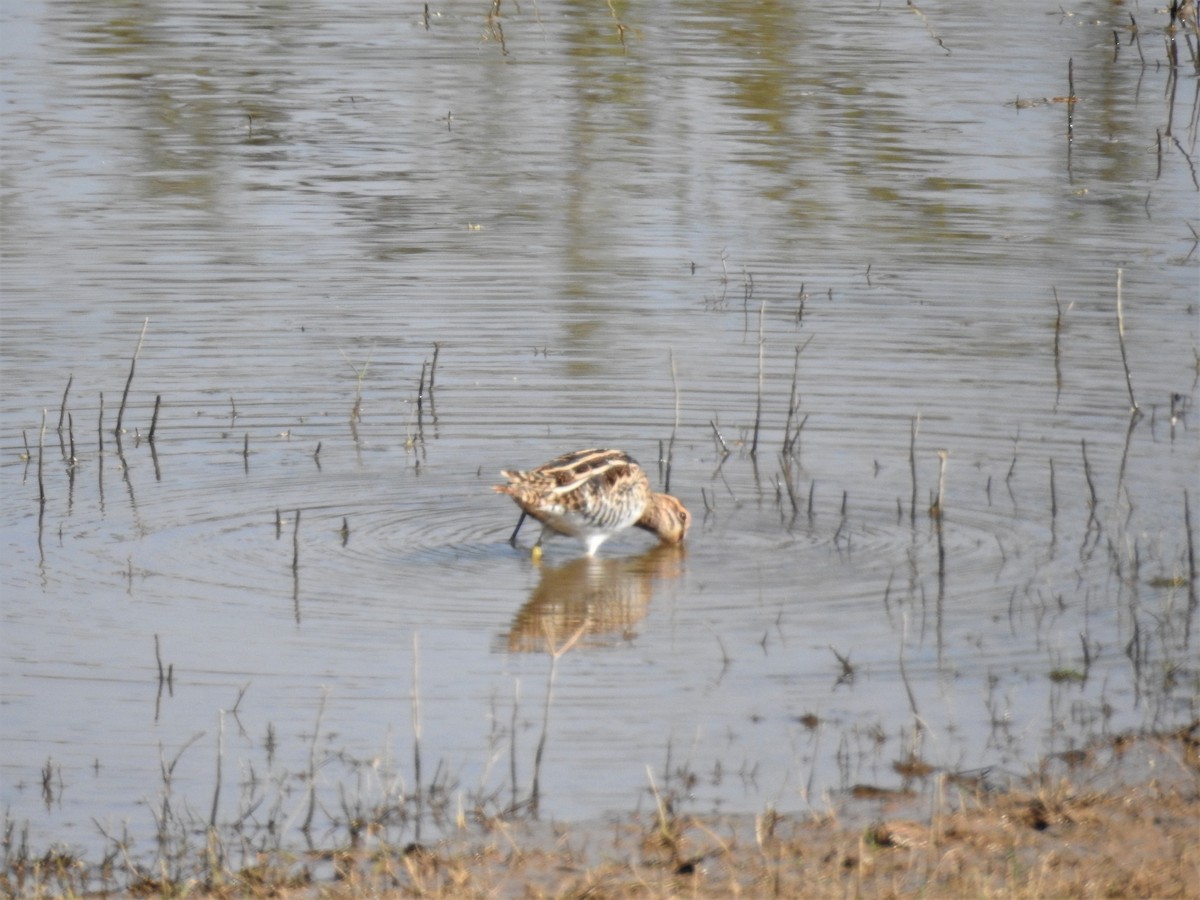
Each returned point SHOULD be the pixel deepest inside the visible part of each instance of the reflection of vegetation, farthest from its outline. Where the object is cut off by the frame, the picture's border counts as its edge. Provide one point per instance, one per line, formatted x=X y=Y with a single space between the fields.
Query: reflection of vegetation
x=494 y=22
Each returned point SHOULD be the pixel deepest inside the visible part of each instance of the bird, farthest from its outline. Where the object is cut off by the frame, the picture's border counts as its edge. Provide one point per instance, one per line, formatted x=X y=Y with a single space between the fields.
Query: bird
x=592 y=495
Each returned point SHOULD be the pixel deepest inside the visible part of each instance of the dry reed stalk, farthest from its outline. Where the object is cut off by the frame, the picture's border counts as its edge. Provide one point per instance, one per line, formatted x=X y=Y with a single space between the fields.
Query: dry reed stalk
x=306 y=828
x=62 y=409
x=789 y=440
x=296 y=543
x=1071 y=98
x=1053 y=493
x=41 y=456
x=129 y=380
x=512 y=745
x=212 y=817
x=556 y=653
x=1133 y=406
x=936 y=509
x=158 y=659
x=758 y=403
x=154 y=417
x=1191 y=553
x=720 y=440
x=416 y=714
x=1058 y=327
x=674 y=425
x=912 y=465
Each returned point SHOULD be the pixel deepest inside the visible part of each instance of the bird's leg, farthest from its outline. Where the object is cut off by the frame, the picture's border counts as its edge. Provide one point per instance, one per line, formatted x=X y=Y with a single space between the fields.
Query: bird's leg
x=521 y=521
x=536 y=552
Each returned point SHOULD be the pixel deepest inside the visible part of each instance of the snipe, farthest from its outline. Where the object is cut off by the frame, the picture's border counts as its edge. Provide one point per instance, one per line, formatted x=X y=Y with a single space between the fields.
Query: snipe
x=592 y=495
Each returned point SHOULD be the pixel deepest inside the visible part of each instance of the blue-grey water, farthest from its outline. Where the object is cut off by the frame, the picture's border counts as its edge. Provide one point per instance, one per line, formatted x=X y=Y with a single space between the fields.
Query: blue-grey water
x=688 y=230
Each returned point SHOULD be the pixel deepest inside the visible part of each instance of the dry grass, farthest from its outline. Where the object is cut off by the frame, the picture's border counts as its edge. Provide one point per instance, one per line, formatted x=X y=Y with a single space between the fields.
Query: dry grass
x=1135 y=842
x=1053 y=837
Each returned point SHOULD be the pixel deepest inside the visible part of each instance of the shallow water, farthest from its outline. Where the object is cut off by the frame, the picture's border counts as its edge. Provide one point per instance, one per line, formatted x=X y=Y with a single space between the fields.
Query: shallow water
x=305 y=207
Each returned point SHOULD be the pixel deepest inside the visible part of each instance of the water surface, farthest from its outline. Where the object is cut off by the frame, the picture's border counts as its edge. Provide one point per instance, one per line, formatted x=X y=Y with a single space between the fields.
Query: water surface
x=577 y=236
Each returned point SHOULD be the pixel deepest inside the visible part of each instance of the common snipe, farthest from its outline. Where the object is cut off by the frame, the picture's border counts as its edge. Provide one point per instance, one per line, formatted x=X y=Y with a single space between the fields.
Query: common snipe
x=593 y=494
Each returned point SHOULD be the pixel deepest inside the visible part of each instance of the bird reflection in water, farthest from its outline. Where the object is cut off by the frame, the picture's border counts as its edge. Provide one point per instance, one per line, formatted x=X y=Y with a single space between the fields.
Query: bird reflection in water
x=592 y=602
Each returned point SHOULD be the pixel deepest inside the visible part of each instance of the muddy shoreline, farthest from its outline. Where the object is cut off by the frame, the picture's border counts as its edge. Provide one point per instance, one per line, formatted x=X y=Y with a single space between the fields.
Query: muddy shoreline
x=1118 y=819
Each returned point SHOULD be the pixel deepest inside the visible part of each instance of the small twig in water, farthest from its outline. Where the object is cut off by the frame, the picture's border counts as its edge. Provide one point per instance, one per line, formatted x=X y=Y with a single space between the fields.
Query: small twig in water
x=212 y=819
x=847 y=675
x=437 y=348
x=1087 y=475
x=129 y=380
x=933 y=34
x=758 y=403
x=912 y=700
x=720 y=440
x=789 y=439
x=1053 y=493
x=154 y=418
x=416 y=713
x=1071 y=98
x=312 y=765
x=1191 y=554
x=674 y=424
x=62 y=410
x=912 y=464
x=1191 y=164
x=296 y=543
x=41 y=455
x=359 y=376
x=724 y=653
x=158 y=658
x=1121 y=339
x=936 y=510
x=1058 y=328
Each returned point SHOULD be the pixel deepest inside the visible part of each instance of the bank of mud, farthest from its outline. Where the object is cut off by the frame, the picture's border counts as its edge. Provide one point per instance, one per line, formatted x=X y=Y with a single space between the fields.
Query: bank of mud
x=1118 y=819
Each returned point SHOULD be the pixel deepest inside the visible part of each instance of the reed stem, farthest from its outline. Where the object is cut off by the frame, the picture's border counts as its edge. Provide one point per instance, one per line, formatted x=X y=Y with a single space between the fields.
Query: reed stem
x=41 y=456
x=62 y=409
x=1133 y=406
x=758 y=403
x=129 y=380
x=674 y=425
x=154 y=417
